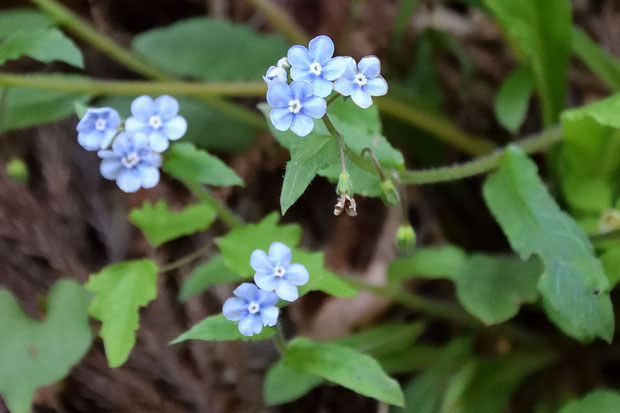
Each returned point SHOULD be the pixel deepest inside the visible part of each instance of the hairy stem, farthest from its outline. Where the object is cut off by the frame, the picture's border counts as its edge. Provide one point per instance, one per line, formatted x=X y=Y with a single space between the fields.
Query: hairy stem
x=186 y=259
x=332 y=129
x=225 y=214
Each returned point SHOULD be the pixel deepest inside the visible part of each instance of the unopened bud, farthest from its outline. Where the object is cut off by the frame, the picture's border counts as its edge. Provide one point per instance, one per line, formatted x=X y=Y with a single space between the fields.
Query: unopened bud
x=389 y=195
x=17 y=170
x=283 y=62
x=405 y=238
x=610 y=221
x=344 y=184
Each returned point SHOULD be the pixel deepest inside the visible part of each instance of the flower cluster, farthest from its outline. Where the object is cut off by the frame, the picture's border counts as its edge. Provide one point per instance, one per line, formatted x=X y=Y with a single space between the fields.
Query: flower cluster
x=254 y=306
x=315 y=73
x=134 y=159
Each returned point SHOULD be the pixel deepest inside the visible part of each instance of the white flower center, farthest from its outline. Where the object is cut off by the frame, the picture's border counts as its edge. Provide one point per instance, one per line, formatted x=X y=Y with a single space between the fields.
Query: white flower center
x=253 y=307
x=294 y=106
x=130 y=160
x=101 y=124
x=155 y=122
x=316 y=68
x=360 y=79
x=279 y=272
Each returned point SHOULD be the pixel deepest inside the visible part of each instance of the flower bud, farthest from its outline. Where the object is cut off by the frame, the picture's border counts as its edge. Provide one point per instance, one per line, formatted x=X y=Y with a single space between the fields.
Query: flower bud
x=405 y=238
x=389 y=195
x=344 y=184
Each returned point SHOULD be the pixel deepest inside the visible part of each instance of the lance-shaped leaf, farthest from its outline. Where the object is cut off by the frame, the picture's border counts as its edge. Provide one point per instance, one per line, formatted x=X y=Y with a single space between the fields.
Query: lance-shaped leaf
x=45 y=45
x=189 y=164
x=218 y=328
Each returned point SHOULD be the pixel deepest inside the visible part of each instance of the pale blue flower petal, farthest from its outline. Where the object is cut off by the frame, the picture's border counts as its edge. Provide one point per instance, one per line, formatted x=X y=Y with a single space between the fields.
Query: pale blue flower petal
x=246 y=291
x=345 y=86
x=281 y=118
x=235 y=309
x=114 y=119
x=376 y=87
x=269 y=316
x=175 y=128
x=297 y=274
x=257 y=323
x=361 y=98
x=158 y=141
x=334 y=68
x=279 y=254
x=302 y=73
x=301 y=90
x=140 y=141
x=278 y=95
x=149 y=175
x=302 y=125
x=266 y=281
x=321 y=48
x=110 y=168
x=266 y=298
x=108 y=136
x=166 y=106
x=143 y=107
x=275 y=74
x=322 y=87
x=250 y=325
x=299 y=56
x=133 y=124
x=107 y=154
x=87 y=123
x=369 y=66
x=314 y=106
x=91 y=141
x=129 y=180
x=350 y=67
x=286 y=290
x=121 y=144
x=259 y=261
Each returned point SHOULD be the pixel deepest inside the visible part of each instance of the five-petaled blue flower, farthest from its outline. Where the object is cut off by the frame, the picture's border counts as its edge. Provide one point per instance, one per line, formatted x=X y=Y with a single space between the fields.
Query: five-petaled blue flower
x=316 y=65
x=131 y=162
x=362 y=81
x=158 y=120
x=294 y=106
x=253 y=308
x=97 y=128
x=275 y=74
x=275 y=271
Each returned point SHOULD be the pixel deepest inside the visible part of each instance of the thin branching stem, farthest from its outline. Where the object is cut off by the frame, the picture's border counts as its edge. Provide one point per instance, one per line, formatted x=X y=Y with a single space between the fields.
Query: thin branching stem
x=332 y=129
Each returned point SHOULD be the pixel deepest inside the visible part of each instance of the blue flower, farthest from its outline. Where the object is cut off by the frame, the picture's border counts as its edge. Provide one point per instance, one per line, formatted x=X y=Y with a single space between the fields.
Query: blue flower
x=275 y=272
x=316 y=65
x=158 y=120
x=253 y=308
x=97 y=128
x=362 y=81
x=275 y=74
x=294 y=106
x=131 y=162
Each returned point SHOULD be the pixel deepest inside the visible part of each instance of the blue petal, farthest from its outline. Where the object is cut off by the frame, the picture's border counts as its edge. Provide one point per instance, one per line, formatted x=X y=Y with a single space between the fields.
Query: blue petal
x=110 y=168
x=279 y=254
x=361 y=98
x=266 y=298
x=297 y=274
x=321 y=48
x=108 y=136
x=140 y=141
x=269 y=316
x=302 y=73
x=281 y=118
x=121 y=144
x=250 y=325
x=298 y=56
x=302 y=124
x=369 y=66
x=260 y=262
x=314 y=106
x=158 y=141
x=149 y=175
x=266 y=281
x=114 y=119
x=334 y=68
x=246 y=291
x=301 y=90
x=129 y=180
x=151 y=159
x=107 y=155
x=345 y=86
x=235 y=308
x=91 y=141
x=133 y=124
x=376 y=87
x=286 y=290
x=275 y=74
x=166 y=106
x=350 y=67
x=143 y=107
x=87 y=123
x=322 y=87
x=278 y=95
x=175 y=128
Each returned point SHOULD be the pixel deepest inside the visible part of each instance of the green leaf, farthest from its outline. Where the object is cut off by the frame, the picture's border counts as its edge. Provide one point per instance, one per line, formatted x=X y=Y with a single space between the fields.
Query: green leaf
x=283 y=385
x=238 y=244
x=513 y=98
x=384 y=340
x=343 y=366
x=186 y=163
x=44 y=45
x=443 y=262
x=542 y=33
x=34 y=353
x=492 y=288
x=211 y=49
x=205 y=275
x=218 y=328
x=307 y=158
x=120 y=290
x=405 y=11
x=599 y=401
x=161 y=225
x=17 y=20
x=574 y=285
x=611 y=263
x=597 y=59
x=320 y=278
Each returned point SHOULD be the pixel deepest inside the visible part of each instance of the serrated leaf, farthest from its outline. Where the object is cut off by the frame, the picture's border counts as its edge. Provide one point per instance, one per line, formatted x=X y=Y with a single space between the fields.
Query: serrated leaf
x=443 y=262
x=44 y=45
x=307 y=157
x=599 y=401
x=513 y=98
x=218 y=328
x=597 y=59
x=189 y=164
x=343 y=366
x=18 y=19
x=120 y=290
x=573 y=284
x=542 y=32
x=161 y=225
x=211 y=49
x=492 y=288
x=205 y=275
x=35 y=353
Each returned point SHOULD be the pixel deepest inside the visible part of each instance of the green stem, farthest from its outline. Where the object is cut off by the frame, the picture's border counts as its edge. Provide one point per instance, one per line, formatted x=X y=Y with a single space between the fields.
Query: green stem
x=376 y=162
x=280 y=20
x=225 y=214
x=482 y=164
x=599 y=239
x=332 y=129
x=186 y=259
